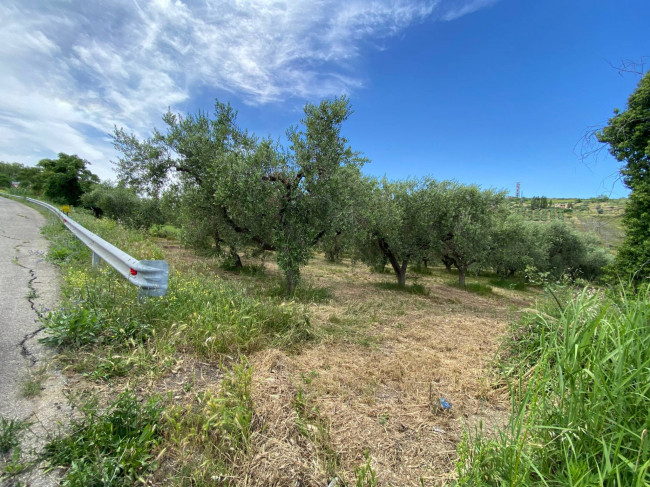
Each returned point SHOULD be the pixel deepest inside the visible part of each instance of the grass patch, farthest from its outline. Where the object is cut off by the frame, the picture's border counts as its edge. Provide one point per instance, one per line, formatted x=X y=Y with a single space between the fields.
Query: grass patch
x=11 y=431
x=33 y=383
x=212 y=434
x=474 y=287
x=208 y=315
x=313 y=427
x=418 y=289
x=111 y=448
x=244 y=270
x=512 y=284
x=349 y=328
x=579 y=377
x=304 y=293
x=169 y=232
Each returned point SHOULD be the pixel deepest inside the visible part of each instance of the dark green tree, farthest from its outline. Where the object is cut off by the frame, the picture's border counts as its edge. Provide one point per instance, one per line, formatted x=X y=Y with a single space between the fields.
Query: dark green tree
x=66 y=178
x=628 y=136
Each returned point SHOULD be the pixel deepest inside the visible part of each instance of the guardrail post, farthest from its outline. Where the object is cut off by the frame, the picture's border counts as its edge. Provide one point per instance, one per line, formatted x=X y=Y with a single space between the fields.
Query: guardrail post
x=96 y=259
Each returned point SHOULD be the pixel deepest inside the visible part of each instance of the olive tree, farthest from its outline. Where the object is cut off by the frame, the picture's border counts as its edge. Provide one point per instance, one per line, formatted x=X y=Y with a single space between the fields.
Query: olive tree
x=400 y=222
x=253 y=192
x=516 y=245
x=466 y=226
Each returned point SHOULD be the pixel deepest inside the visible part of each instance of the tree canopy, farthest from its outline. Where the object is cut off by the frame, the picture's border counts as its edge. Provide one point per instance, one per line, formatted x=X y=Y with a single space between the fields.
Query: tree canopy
x=628 y=136
x=66 y=178
x=242 y=190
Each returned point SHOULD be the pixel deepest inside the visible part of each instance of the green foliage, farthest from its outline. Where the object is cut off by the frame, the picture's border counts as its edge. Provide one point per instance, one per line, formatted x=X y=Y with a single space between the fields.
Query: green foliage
x=66 y=178
x=467 y=223
x=169 y=232
x=236 y=190
x=579 y=377
x=123 y=205
x=540 y=203
x=573 y=253
x=628 y=136
x=110 y=448
x=5 y=181
x=517 y=244
x=28 y=177
x=399 y=222
x=10 y=433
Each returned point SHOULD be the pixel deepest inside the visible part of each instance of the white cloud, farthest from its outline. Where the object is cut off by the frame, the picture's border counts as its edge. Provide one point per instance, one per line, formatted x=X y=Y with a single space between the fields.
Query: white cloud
x=70 y=71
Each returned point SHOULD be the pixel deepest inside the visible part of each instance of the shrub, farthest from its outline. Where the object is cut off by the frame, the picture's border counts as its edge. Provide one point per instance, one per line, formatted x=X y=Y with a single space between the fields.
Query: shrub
x=124 y=205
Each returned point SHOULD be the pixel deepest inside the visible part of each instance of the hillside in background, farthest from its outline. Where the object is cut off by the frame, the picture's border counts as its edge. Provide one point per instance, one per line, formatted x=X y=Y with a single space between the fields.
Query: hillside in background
x=601 y=216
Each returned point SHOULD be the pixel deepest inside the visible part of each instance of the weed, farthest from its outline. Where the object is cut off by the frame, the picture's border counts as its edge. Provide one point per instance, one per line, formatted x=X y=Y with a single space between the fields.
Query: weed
x=365 y=474
x=14 y=466
x=312 y=426
x=10 y=433
x=110 y=366
x=305 y=293
x=230 y=413
x=112 y=448
x=213 y=434
x=244 y=270
x=33 y=383
x=220 y=318
x=169 y=232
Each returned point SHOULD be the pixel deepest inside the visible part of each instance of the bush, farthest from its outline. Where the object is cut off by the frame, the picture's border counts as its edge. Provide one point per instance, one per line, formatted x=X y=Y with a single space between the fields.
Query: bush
x=123 y=205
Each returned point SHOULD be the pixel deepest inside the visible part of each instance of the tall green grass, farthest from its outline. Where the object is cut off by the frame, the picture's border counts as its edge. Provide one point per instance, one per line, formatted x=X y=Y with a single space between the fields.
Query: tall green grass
x=579 y=378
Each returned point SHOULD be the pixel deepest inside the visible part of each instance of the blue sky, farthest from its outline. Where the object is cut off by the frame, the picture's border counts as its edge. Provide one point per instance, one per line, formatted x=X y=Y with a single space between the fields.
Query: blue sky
x=482 y=91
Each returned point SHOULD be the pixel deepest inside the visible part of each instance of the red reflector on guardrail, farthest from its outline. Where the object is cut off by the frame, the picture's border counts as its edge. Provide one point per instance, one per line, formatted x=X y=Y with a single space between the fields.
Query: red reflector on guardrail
x=134 y=272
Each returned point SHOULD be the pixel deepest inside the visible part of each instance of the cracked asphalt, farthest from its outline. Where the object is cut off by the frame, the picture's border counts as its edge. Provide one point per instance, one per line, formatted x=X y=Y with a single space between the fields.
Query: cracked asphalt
x=28 y=285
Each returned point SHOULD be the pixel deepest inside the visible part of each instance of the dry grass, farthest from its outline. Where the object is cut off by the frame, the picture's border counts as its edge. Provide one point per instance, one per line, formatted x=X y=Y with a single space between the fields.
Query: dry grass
x=372 y=383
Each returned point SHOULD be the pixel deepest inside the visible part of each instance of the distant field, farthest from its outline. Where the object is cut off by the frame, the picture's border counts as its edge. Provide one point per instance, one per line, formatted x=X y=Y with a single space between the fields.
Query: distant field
x=602 y=217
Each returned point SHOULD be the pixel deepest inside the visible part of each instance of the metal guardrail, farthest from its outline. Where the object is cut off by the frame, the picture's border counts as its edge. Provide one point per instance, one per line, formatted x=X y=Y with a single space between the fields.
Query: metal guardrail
x=151 y=276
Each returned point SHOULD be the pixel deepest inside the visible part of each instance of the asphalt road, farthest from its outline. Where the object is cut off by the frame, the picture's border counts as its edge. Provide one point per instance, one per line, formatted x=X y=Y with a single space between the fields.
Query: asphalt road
x=28 y=285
